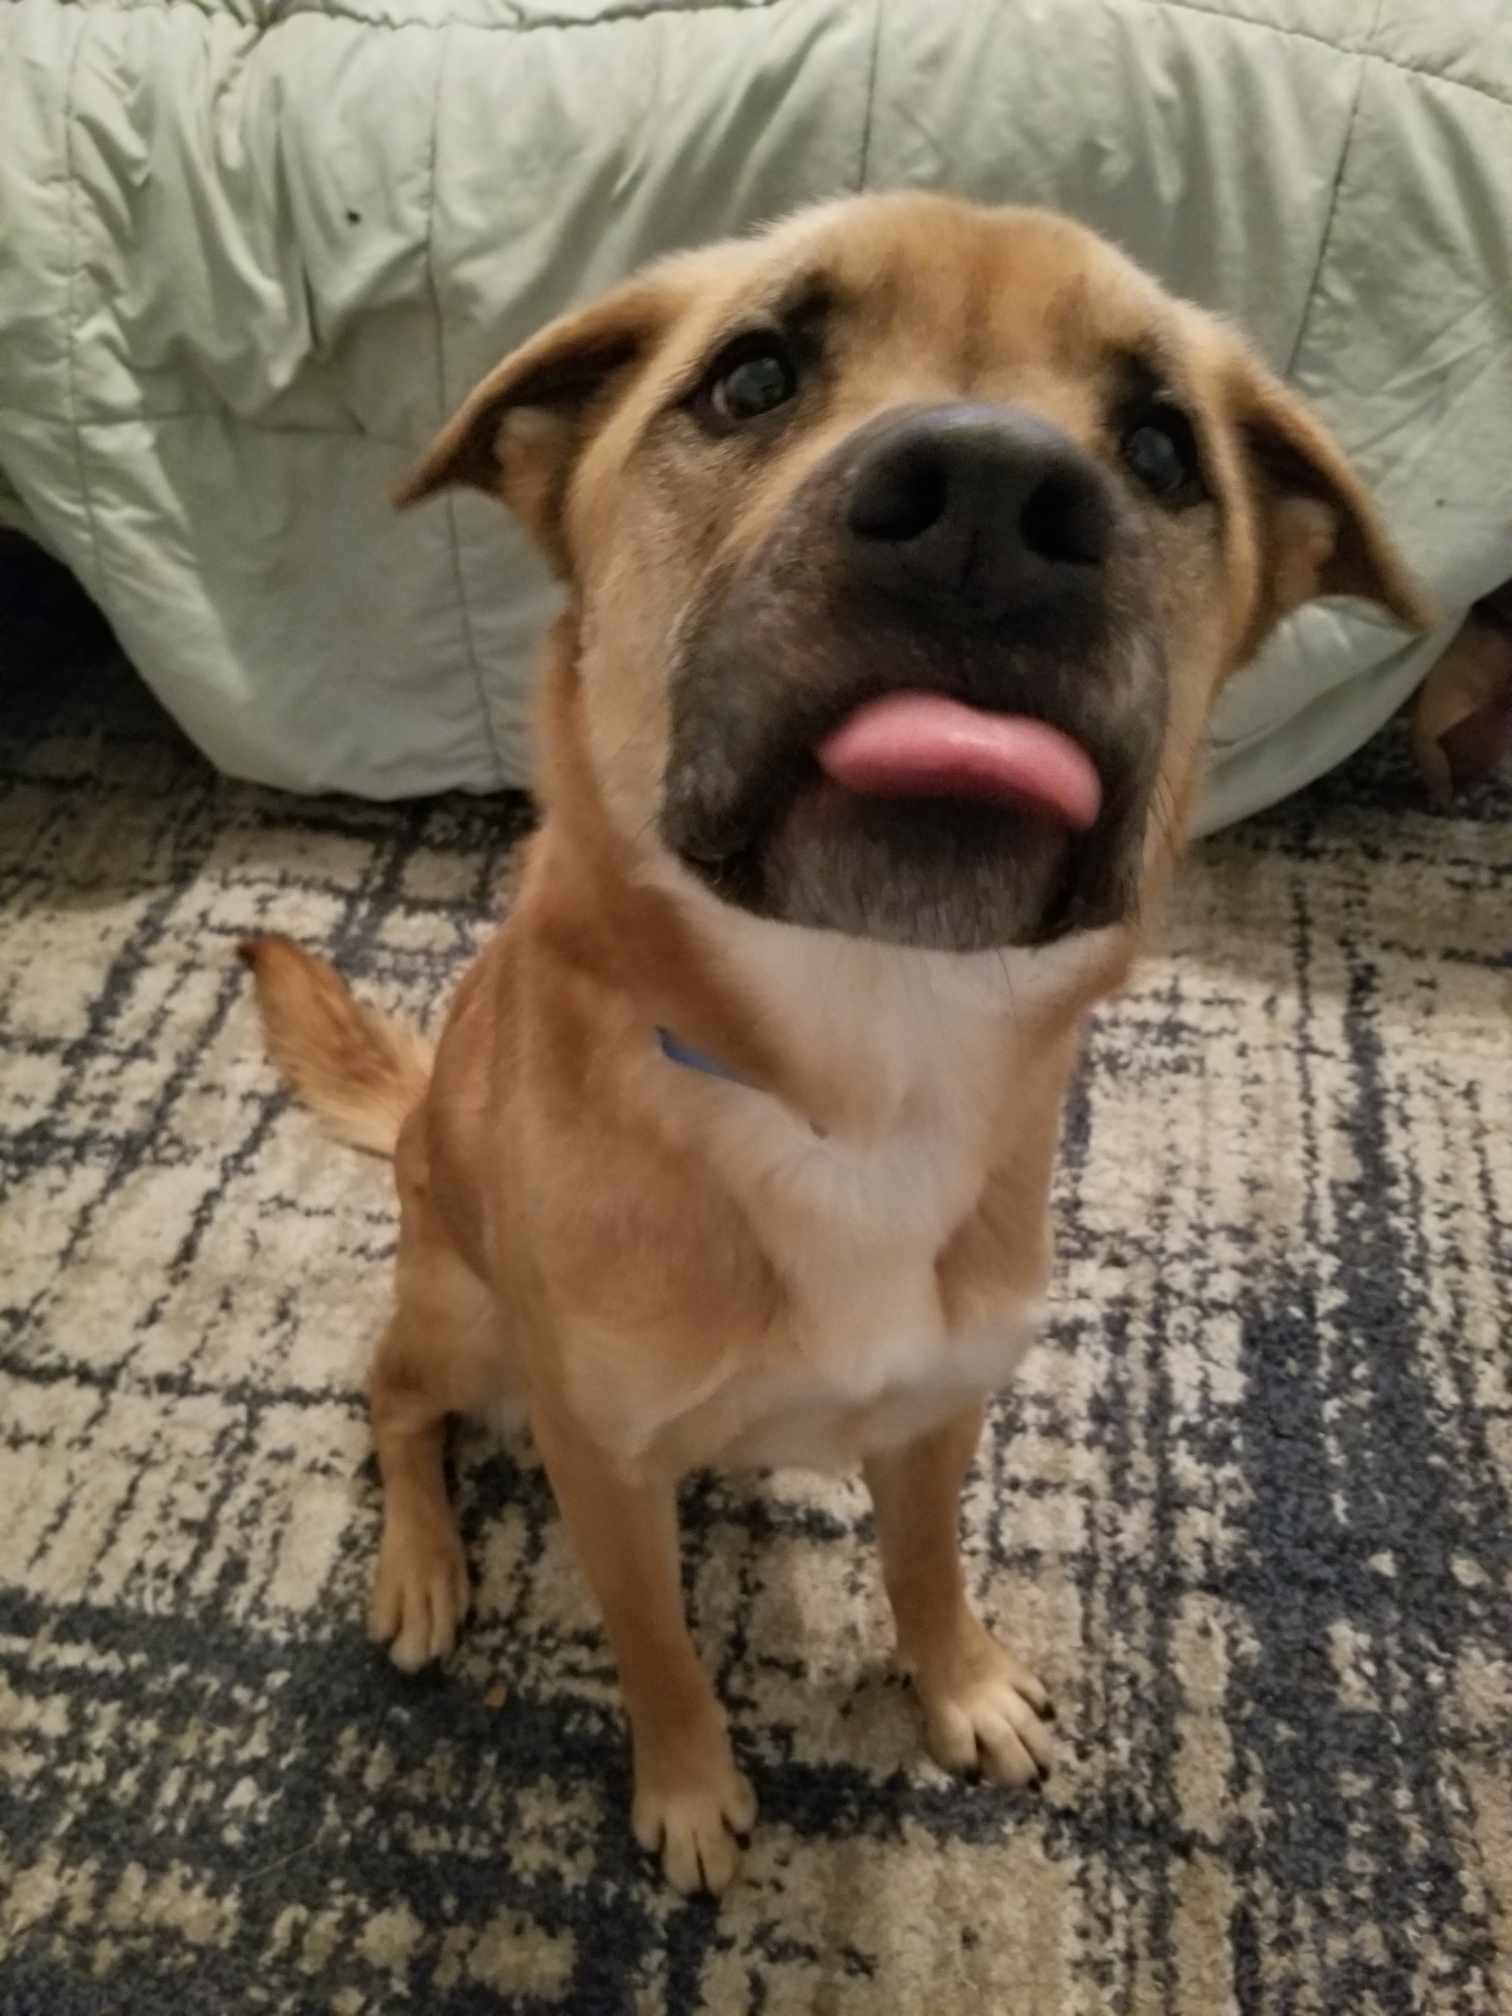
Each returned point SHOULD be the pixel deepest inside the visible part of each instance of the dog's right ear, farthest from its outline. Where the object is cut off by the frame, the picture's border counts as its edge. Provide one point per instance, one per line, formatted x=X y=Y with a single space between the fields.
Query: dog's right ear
x=518 y=434
x=1319 y=531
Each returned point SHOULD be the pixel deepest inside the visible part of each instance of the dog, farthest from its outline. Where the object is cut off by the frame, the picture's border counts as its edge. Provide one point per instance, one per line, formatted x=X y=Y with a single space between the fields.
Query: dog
x=904 y=548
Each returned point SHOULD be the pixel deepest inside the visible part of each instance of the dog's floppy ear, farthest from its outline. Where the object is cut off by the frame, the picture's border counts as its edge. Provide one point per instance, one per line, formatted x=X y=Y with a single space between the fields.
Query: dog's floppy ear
x=518 y=433
x=1319 y=531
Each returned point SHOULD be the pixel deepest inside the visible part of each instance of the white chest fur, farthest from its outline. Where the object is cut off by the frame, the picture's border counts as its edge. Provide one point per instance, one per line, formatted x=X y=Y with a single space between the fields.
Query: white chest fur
x=855 y=1231
x=854 y=1223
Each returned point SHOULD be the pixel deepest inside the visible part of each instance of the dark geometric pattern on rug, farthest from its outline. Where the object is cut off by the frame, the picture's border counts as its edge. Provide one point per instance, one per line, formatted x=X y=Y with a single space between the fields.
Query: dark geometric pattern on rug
x=1246 y=1510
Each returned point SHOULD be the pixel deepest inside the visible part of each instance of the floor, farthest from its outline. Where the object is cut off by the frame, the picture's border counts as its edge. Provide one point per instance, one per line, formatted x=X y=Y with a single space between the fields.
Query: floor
x=1247 y=1510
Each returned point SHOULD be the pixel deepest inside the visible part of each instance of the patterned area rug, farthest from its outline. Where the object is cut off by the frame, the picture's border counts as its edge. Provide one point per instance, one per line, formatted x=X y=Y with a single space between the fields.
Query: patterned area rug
x=1247 y=1511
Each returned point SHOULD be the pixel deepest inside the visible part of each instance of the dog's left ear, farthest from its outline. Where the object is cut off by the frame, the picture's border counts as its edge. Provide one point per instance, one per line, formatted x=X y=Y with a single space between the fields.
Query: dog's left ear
x=518 y=434
x=1319 y=531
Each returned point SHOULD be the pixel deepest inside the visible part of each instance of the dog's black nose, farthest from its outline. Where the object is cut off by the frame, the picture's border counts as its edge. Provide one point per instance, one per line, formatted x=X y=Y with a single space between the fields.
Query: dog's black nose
x=982 y=510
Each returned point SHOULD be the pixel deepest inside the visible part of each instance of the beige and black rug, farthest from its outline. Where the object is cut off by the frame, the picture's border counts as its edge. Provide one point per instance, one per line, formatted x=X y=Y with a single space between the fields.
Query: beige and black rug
x=1248 y=1511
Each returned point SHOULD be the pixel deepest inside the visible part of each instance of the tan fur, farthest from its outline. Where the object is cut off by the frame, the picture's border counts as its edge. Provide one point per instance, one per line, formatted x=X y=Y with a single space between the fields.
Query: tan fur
x=1462 y=717
x=362 y=1073
x=836 y=1262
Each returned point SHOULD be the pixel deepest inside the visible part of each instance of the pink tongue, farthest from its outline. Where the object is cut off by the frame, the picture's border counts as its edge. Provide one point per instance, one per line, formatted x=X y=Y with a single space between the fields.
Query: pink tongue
x=918 y=745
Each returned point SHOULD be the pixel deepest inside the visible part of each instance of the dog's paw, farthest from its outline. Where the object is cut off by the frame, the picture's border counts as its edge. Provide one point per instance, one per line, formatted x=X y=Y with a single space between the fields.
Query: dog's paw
x=420 y=1592
x=983 y=1711
x=692 y=1817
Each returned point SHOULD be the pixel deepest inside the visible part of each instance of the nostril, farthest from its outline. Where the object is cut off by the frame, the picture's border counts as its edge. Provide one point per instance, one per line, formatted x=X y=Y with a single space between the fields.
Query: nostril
x=1066 y=518
x=900 y=496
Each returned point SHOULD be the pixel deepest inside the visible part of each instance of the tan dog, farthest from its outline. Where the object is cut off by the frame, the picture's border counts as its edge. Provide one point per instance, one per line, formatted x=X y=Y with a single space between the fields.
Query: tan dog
x=904 y=550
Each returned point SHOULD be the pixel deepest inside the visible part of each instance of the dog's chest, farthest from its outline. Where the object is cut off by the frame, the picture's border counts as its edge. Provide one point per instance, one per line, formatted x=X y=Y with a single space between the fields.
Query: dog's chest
x=866 y=1356
x=857 y=1223
x=886 y=1372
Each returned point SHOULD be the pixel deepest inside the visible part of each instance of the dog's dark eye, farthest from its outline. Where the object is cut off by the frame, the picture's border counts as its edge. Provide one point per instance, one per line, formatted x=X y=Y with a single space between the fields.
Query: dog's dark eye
x=758 y=381
x=1160 y=448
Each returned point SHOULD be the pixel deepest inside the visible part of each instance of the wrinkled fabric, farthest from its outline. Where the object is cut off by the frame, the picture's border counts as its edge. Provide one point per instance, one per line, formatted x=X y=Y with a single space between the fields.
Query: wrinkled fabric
x=252 y=253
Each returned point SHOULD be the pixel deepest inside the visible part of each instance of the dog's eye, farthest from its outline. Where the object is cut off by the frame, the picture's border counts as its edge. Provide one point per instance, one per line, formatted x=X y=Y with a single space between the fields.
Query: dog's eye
x=1160 y=448
x=758 y=380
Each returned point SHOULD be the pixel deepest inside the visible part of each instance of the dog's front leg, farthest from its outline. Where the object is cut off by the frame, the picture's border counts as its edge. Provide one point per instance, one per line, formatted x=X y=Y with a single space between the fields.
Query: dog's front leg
x=420 y=1591
x=981 y=1707
x=689 y=1798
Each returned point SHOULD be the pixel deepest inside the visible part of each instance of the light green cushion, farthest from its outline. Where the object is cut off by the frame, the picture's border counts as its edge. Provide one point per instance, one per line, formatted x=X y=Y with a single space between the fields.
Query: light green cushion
x=251 y=254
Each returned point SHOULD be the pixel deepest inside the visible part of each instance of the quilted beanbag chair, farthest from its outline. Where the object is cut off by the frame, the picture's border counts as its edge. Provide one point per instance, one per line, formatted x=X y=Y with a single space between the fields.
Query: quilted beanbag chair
x=252 y=251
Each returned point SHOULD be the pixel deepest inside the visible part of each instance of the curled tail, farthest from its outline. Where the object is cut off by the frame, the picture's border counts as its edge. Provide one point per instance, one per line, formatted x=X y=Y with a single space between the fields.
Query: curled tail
x=362 y=1073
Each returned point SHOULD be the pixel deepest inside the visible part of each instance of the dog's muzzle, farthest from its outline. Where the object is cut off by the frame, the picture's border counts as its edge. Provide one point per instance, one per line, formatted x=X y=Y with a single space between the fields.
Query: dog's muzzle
x=928 y=710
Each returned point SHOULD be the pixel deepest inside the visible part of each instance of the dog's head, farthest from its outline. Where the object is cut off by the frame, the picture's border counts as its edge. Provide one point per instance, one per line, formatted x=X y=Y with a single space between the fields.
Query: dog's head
x=908 y=545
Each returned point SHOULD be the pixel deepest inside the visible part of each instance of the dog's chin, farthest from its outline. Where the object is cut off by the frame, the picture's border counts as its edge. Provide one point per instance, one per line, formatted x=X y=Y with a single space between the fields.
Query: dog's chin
x=939 y=875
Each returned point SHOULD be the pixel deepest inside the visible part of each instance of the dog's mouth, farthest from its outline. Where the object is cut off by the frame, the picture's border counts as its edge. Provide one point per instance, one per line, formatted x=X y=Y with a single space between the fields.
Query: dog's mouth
x=916 y=745
x=914 y=816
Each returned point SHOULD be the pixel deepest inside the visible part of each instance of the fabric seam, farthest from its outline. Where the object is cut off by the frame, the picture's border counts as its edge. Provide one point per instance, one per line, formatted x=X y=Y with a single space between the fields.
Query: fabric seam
x=1326 y=237
x=864 y=165
x=71 y=328
x=242 y=422
x=334 y=12
x=453 y=534
x=1365 y=55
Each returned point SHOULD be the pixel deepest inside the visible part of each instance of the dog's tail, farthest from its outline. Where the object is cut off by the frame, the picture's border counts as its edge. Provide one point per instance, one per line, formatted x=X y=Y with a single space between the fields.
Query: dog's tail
x=362 y=1073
